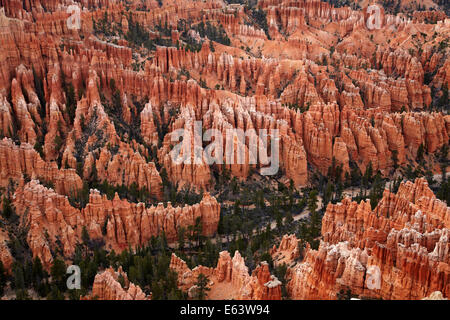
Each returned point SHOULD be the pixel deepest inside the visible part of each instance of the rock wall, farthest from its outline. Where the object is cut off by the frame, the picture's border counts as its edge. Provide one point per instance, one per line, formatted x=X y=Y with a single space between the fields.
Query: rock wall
x=399 y=250
x=116 y=222
x=337 y=92
x=107 y=286
x=287 y=251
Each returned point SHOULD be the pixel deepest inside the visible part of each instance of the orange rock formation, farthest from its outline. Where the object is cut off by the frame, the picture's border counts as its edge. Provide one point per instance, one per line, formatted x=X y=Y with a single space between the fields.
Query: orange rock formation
x=91 y=105
x=397 y=251
x=117 y=222
x=18 y=161
x=5 y=255
x=230 y=279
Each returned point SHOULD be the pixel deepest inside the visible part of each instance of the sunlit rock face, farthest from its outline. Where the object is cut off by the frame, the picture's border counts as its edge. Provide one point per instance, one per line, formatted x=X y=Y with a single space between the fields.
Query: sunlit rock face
x=114 y=285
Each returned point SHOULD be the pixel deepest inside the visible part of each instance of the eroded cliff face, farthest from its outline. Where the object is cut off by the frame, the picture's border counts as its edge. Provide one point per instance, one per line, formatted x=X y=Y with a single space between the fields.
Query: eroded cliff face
x=96 y=105
x=114 y=285
x=399 y=250
x=5 y=255
x=230 y=279
x=287 y=251
x=437 y=295
x=117 y=222
x=342 y=86
x=23 y=161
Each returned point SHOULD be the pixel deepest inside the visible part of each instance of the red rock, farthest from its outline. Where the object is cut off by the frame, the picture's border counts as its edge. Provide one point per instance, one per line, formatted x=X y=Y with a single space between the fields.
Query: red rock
x=17 y=161
x=287 y=252
x=107 y=286
x=126 y=167
x=5 y=255
x=397 y=251
x=354 y=101
x=148 y=127
x=230 y=279
x=118 y=222
x=437 y=295
x=6 y=128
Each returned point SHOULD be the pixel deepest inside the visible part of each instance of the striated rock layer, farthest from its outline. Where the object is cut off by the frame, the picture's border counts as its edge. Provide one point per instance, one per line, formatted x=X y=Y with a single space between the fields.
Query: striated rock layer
x=287 y=252
x=94 y=105
x=107 y=286
x=399 y=250
x=350 y=99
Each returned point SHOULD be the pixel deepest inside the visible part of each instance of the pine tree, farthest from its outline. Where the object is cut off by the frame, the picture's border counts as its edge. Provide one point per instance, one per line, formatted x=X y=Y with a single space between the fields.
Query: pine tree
x=71 y=103
x=395 y=158
x=367 y=178
x=58 y=273
x=329 y=189
x=85 y=236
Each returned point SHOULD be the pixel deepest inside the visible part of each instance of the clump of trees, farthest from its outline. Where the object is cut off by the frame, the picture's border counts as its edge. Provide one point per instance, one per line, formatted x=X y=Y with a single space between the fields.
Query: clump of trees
x=213 y=32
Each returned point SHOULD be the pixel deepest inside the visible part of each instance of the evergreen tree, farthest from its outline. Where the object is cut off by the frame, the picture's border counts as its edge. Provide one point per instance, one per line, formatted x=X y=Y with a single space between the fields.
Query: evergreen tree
x=395 y=158
x=329 y=189
x=22 y=294
x=249 y=261
x=376 y=192
x=367 y=178
x=19 y=280
x=38 y=85
x=420 y=153
x=202 y=286
x=85 y=236
x=55 y=293
x=71 y=102
x=7 y=210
